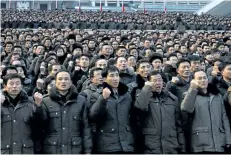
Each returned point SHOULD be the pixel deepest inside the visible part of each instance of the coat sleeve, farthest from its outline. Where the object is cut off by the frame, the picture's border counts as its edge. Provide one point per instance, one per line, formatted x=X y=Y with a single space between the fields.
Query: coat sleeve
x=87 y=139
x=171 y=87
x=98 y=108
x=226 y=124
x=179 y=127
x=188 y=103
x=143 y=98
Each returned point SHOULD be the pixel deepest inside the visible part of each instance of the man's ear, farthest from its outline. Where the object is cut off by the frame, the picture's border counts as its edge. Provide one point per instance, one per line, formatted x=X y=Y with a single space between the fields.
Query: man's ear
x=177 y=71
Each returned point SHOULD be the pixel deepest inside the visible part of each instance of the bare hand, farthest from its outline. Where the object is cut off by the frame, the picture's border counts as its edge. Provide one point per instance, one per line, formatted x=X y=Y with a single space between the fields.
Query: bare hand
x=194 y=84
x=106 y=93
x=38 y=98
x=2 y=98
x=175 y=79
x=148 y=83
x=69 y=55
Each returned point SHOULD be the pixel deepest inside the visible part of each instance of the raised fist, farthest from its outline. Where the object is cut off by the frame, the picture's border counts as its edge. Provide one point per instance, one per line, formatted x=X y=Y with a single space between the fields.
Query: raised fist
x=38 y=98
x=148 y=83
x=194 y=84
x=106 y=93
x=175 y=79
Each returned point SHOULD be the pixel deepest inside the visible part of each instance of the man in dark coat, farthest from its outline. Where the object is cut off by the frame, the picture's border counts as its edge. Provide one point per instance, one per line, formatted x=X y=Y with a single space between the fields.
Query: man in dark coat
x=111 y=113
x=18 y=117
x=160 y=118
x=65 y=119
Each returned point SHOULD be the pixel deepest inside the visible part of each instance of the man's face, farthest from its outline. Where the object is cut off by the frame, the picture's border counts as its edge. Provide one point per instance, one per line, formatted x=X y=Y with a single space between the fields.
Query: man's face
x=97 y=79
x=226 y=73
x=28 y=37
x=8 y=39
x=201 y=79
x=121 y=64
x=206 y=48
x=184 y=69
x=176 y=46
x=13 y=87
x=195 y=65
x=40 y=50
x=91 y=44
x=55 y=69
x=77 y=51
x=28 y=44
x=156 y=64
x=8 y=48
x=47 y=43
x=144 y=69
x=115 y=45
x=63 y=81
x=21 y=38
x=102 y=63
x=147 y=44
x=121 y=52
x=84 y=62
x=157 y=82
x=173 y=60
x=18 y=50
x=183 y=49
x=113 y=79
x=171 y=50
x=118 y=38
x=106 y=50
x=35 y=38
x=21 y=72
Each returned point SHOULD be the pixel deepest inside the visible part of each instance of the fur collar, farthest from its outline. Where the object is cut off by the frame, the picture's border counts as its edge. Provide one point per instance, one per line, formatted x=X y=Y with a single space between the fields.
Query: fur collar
x=122 y=88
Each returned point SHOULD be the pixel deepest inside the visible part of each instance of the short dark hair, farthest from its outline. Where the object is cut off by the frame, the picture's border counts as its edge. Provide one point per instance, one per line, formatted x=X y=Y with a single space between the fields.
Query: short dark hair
x=181 y=61
x=62 y=70
x=51 y=66
x=153 y=73
x=108 y=70
x=194 y=58
x=11 y=76
x=92 y=71
x=222 y=65
x=140 y=62
x=4 y=71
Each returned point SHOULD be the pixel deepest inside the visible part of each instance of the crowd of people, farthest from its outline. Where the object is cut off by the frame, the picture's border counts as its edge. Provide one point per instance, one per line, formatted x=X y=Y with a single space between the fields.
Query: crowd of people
x=74 y=91
x=111 y=20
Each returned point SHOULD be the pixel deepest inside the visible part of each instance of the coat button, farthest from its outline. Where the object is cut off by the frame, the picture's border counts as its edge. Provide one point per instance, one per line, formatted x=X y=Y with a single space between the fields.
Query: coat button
x=56 y=113
x=14 y=121
x=73 y=142
x=63 y=145
x=112 y=129
x=8 y=115
x=7 y=146
x=64 y=112
x=101 y=130
x=64 y=128
x=14 y=143
x=24 y=145
x=54 y=142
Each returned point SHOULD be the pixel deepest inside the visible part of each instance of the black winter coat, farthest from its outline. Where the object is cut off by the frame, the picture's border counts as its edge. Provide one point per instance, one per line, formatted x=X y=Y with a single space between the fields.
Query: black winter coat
x=67 y=128
x=112 y=118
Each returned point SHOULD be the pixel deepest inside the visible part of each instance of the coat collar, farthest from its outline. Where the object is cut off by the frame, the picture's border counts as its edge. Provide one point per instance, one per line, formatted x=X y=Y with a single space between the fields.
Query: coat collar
x=122 y=88
x=71 y=95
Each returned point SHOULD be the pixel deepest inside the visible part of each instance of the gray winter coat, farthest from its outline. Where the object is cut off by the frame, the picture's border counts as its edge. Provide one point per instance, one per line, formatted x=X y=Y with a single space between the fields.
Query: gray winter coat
x=161 y=122
x=210 y=130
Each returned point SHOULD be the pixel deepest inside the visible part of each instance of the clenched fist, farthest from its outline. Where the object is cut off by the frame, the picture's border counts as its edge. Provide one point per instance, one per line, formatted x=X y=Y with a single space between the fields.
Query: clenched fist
x=38 y=98
x=175 y=79
x=194 y=84
x=106 y=93
x=148 y=83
